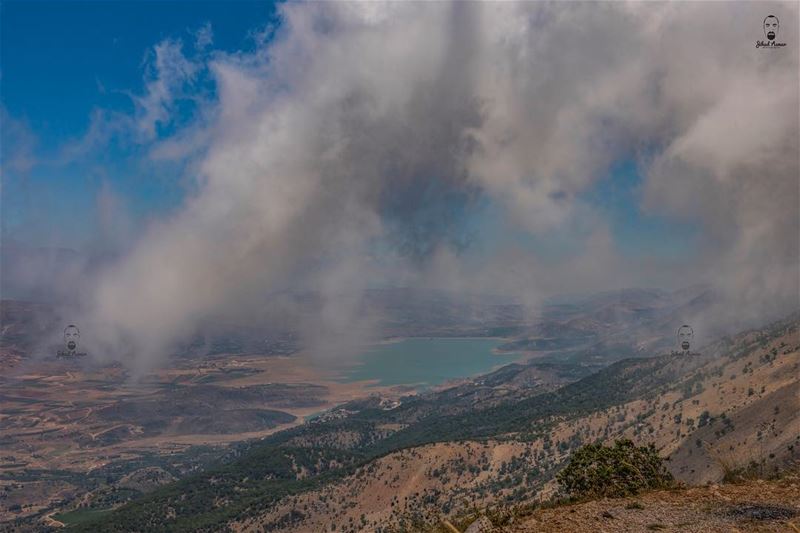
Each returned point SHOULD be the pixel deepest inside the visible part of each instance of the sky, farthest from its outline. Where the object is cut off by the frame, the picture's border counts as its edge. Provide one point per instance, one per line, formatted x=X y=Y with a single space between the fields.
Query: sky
x=200 y=158
x=63 y=62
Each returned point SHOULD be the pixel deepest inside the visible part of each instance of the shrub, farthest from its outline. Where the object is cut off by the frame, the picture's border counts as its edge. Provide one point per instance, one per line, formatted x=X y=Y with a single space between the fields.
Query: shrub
x=614 y=471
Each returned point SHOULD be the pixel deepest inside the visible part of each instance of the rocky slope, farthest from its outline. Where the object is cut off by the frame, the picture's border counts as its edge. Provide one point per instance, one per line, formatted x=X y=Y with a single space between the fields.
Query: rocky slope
x=496 y=441
x=733 y=408
x=752 y=506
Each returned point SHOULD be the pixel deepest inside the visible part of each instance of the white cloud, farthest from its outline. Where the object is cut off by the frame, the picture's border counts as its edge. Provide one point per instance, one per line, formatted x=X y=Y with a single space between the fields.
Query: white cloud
x=169 y=72
x=18 y=144
x=170 y=77
x=365 y=122
x=203 y=36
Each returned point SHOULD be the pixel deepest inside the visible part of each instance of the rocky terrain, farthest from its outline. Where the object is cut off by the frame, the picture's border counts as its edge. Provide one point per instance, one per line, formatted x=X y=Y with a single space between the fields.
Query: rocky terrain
x=203 y=444
x=747 y=505
x=733 y=409
x=372 y=466
x=719 y=508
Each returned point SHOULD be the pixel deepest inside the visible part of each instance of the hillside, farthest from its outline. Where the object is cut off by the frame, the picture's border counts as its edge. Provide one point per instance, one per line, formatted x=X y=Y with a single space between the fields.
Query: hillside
x=73 y=429
x=758 y=506
x=742 y=407
x=364 y=467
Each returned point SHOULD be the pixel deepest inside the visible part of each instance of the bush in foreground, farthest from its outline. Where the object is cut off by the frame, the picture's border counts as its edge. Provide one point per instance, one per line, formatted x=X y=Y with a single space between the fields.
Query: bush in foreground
x=597 y=471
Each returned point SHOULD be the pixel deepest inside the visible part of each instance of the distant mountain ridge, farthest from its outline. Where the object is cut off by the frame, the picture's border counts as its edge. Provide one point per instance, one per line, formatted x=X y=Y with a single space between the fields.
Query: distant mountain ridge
x=630 y=321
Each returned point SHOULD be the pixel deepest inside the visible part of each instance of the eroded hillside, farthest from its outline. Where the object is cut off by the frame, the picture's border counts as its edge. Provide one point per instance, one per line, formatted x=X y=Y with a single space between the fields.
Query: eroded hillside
x=736 y=406
x=498 y=440
x=758 y=506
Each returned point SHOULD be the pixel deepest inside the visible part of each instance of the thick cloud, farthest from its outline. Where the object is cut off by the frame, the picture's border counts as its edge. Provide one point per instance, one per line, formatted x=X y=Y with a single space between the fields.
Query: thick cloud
x=365 y=132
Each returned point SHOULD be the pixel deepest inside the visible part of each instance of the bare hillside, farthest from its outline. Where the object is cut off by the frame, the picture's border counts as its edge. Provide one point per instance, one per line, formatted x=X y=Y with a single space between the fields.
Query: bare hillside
x=752 y=506
x=733 y=408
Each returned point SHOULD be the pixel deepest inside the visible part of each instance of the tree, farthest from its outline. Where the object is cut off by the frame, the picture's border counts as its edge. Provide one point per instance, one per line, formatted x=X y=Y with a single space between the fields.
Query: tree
x=614 y=471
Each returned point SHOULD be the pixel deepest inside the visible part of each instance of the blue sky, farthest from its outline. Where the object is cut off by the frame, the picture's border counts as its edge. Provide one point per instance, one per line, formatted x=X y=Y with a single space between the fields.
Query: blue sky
x=617 y=196
x=63 y=61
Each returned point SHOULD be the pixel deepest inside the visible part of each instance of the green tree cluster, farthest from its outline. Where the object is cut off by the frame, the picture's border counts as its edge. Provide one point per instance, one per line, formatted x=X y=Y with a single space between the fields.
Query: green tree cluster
x=624 y=469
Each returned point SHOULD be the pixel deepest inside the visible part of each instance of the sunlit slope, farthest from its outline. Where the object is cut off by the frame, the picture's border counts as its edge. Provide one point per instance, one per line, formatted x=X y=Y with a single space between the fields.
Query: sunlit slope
x=359 y=459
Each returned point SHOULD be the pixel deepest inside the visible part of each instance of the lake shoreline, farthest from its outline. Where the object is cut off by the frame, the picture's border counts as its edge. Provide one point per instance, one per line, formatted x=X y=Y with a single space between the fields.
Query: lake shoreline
x=424 y=362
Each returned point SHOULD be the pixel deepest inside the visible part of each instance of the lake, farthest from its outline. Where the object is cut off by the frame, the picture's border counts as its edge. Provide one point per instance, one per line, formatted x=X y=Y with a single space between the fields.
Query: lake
x=425 y=362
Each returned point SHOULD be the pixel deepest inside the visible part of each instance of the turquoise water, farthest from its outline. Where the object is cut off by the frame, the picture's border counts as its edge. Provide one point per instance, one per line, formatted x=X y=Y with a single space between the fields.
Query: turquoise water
x=426 y=362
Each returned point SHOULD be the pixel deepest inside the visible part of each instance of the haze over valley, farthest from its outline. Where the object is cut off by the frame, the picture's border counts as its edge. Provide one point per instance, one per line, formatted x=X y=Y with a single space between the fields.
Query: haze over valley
x=399 y=267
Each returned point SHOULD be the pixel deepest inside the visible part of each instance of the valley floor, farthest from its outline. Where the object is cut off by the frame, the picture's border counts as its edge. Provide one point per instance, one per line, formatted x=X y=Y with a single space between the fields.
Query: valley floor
x=750 y=506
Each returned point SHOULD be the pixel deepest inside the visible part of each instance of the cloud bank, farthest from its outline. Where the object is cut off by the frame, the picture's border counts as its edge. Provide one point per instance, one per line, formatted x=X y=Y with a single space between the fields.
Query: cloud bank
x=352 y=147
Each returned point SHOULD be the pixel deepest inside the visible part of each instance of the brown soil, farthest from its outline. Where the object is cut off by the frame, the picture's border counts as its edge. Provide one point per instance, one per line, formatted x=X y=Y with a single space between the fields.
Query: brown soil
x=750 y=506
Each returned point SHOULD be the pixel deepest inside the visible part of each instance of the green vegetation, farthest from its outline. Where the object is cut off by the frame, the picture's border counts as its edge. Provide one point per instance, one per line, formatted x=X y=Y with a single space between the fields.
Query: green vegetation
x=79 y=516
x=616 y=471
x=268 y=471
x=237 y=489
x=343 y=441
